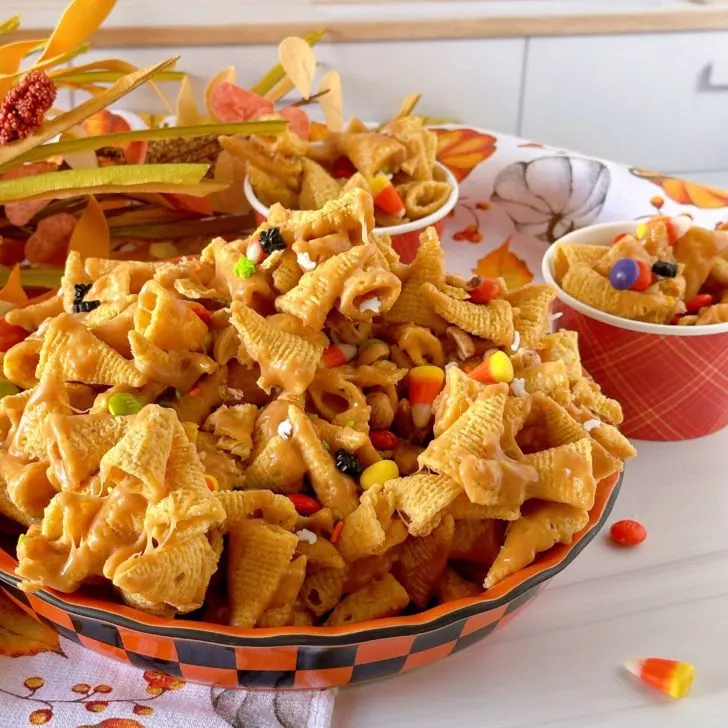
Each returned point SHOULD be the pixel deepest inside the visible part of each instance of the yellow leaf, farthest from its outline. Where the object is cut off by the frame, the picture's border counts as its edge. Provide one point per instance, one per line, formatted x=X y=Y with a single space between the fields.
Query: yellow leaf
x=277 y=74
x=187 y=111
x=9 y=25
x=299 y=63
x=123 y=86
x=223 y=76
x=270 y=127
x=79 y=21
x=330 y=102
x=114 y=64
x=12 y=54
x=21 y=634
x=84 y=78
x=408 y=105
x=502 y=263
x=42 y=65
x=12 y=291
x=91 y=234
x=231 y=170
x=71 y=182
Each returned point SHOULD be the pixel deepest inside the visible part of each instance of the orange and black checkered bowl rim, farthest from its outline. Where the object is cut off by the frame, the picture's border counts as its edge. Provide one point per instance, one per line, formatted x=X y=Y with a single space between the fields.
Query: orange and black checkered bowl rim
x=298 y=657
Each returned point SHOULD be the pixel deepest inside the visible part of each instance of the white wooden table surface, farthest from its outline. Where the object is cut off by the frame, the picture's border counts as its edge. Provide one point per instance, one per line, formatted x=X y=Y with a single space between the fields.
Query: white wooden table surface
x=558 y=663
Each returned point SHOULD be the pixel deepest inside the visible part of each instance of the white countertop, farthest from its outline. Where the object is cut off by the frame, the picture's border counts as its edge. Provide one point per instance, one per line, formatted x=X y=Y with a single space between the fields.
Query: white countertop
x=558 y=663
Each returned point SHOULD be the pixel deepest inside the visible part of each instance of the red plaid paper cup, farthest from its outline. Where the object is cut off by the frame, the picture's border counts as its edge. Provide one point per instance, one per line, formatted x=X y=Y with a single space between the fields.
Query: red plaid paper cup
x=672 y=381
x=405 y=237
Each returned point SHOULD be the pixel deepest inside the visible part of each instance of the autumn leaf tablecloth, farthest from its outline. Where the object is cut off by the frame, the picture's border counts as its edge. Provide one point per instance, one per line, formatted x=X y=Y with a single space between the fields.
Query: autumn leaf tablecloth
x=517 y=197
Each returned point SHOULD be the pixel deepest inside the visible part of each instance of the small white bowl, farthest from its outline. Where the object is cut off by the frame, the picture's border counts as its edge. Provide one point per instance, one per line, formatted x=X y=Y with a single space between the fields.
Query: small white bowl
x=405 y=236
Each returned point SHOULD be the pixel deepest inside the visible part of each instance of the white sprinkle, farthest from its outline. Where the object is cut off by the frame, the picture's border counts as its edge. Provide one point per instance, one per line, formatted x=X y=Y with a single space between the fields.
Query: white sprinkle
x=451 y=365
x=304 y=260
x=589 y=425
x=518 y=387
x=567 y=472
x=308 y=536
x=371 y=304
x=556 y=316
x=285 y=429
x=254 y=252
x=516 y=345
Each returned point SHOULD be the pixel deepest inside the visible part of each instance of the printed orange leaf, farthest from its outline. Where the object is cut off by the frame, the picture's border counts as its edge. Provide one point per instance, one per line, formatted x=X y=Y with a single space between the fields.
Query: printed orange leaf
x=22 y=635
x=685 y=192
x=503 y=263
x=90 y=237
x=12 y=291
x=461 y=150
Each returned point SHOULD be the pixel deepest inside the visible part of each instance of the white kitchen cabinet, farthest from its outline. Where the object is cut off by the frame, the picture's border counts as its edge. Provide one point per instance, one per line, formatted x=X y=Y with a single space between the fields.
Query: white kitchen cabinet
x=658 y=101
x=474 y=81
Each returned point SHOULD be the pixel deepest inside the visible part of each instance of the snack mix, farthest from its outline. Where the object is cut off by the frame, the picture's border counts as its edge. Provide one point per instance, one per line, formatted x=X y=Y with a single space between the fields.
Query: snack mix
x=669 y=272
x=395 y=164
x=295 y=428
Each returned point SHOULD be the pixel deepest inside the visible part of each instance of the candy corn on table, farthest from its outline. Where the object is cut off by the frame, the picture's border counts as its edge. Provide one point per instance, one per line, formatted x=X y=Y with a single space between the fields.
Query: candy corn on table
x=562 y=662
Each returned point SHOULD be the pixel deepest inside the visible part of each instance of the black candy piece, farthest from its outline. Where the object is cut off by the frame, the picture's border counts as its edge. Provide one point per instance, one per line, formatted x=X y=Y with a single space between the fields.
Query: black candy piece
x=79 y=291
x=271 y=240
x=348 y=463
x=664 y=269
x=85 y=306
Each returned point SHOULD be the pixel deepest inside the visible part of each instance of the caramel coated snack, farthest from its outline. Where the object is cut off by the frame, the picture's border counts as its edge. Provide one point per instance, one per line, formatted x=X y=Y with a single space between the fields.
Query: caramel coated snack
x=669 y=272
x=303 y=404
x=395 y=164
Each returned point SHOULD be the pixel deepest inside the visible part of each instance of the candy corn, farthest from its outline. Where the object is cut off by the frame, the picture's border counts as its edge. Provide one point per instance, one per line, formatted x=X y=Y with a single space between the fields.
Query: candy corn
x=337 y=354
x=386 y=197
x=496 y=368
x=668 y=676
x=425 y=383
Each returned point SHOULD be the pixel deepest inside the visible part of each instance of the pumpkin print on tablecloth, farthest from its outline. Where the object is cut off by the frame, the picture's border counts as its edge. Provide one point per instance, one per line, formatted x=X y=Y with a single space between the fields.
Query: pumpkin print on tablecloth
x=551 y=196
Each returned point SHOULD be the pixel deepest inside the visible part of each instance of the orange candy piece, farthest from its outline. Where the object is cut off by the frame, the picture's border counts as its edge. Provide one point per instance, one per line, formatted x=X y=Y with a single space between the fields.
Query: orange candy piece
x=670 y=677
x=425 y=383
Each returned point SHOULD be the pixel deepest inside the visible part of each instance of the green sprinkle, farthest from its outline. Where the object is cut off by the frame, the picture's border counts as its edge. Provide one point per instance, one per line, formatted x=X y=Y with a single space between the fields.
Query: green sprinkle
x=350 y=423
x=7 y=388
x=326 y=445
x=124 y=403
x=244 y=268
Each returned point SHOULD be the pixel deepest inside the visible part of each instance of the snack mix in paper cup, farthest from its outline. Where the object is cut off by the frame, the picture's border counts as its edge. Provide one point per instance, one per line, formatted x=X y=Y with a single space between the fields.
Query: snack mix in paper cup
x=650 y=303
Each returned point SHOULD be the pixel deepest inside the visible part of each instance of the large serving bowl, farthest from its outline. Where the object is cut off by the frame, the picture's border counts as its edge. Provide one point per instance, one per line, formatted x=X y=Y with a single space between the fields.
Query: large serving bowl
x=672 y=381
x=405 y=236
x=297 y=657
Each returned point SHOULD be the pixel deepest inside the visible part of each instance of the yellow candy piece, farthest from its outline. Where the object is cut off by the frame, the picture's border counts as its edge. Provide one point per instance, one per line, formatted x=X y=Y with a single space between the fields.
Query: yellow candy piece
x=379 y=473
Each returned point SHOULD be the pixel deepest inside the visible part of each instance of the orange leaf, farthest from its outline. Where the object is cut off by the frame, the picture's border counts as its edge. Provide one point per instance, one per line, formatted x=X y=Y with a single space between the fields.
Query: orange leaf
x=91 y=235
x=115 y=723
x=23 y=635
x=502 y=263
x=685 y=192
x=461 y=150
x=12 y=291
x=21 y=213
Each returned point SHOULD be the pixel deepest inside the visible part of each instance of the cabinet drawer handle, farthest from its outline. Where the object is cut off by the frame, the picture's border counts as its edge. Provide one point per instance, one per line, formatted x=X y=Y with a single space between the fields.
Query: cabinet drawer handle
x=715 y=76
